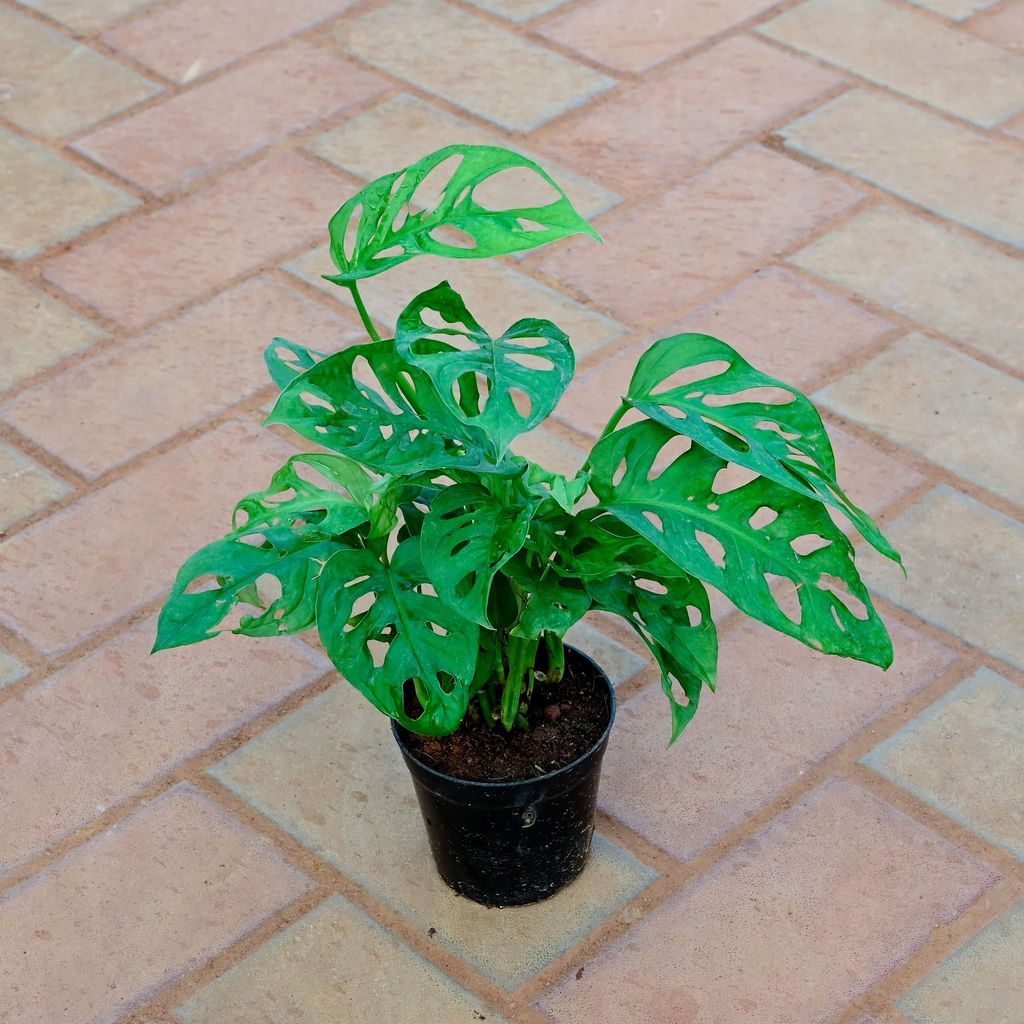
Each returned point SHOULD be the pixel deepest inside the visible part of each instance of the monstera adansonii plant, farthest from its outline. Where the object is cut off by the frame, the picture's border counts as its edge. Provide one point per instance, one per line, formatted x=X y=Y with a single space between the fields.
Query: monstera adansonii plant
x=441 y=569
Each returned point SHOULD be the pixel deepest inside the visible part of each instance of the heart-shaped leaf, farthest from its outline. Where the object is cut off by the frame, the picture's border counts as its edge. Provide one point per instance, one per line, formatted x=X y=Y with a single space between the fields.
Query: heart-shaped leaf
x=234 y=570
x=704 y=389
x=673 y=617
x=531 y=363
x=285 y=360
x=392 y=219
x=396 y=424
x=736 y=539
x=414 y=635
x=467 y=536
x=337 y=498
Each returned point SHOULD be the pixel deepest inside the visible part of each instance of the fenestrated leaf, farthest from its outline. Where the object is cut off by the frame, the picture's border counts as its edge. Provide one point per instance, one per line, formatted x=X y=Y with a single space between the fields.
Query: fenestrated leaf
x=285 y=360
x=718 y=538
x=595 y=545
x=672 y=615
x=532 y=362
x=400 y=426
x=549 y=601
x=234 y=568
x=467 y=536
x=391 y=220
x=424 y=638
x=309 y=508
x=727 y=406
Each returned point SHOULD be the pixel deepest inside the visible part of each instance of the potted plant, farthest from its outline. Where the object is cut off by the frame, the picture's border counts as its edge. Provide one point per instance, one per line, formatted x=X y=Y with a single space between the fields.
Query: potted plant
x=442 y=571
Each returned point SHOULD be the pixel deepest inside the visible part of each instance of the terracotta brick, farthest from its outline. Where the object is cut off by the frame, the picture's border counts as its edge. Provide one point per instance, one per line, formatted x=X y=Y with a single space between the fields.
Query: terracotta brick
x=919 y=156
x=498 y=75
x=404 y=128
x=734 y=215
x=329 y=968
x=939 y=278
x=86 y=15
x=549 y=450
x=957 y=552
x=87 y=566
x=610 y=31
x=176 y=254
x=98 y=731
x=964 y=755
x=58 y=87
x=518 y=10
x=210 y=127
x=672 y=123
x=974 y=985
x=909 y=53
x=25 y=487
x=956 y=9
x=47 y=332
x=189 y=38
x=1004 y=27
x=119 y=403
x=497 y=294
x=941 y=404
x=841 y=879
x=11 y=670
x=48 y=200
x=130 y=911
x=331 y=776
x=780 y=708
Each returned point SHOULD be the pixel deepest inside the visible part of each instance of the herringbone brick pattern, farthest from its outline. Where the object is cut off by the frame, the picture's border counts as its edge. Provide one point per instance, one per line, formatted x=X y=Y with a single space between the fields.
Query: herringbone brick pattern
x=220 y=835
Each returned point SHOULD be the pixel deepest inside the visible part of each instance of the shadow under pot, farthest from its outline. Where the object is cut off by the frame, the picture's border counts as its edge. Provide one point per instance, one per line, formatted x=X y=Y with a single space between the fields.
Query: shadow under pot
x=504 y=844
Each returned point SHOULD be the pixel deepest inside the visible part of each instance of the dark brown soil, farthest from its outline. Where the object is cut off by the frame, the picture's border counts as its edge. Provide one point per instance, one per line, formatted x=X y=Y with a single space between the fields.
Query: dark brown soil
x=566 y=720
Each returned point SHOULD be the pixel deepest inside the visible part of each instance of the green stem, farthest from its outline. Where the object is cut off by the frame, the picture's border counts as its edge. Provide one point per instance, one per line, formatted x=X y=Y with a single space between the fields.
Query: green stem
x=623 y=408
x=556 y=656
x=521 y=654
x=361 y=309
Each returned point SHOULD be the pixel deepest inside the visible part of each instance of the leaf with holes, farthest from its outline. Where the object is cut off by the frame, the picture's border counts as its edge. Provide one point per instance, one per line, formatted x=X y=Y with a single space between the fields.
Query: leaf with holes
x=396 y=424
x=418 y=636
x=316 y=496
x=413 y=212
x=467 y=536
x=285 y=360
x=236 y=569
x=549 y=602
x=721 y=539
x=672 y=615
x=530 y=364
x=704 y=389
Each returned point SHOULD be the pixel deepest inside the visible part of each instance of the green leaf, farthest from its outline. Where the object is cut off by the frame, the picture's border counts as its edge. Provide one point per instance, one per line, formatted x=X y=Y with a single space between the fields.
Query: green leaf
x=548 y=601
x=370 y=405
x=285 y=360
x=417 y=636
x=467 y=536
x=704 y=389
x=532 y=363
x=672 y=615
x=733 y=540
x=316 y=495
x=562 y=490
x=393 y=218
x=234 y=570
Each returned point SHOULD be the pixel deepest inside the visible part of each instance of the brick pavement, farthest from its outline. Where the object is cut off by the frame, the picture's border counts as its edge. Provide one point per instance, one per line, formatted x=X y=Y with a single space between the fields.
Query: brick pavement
x=221 y=835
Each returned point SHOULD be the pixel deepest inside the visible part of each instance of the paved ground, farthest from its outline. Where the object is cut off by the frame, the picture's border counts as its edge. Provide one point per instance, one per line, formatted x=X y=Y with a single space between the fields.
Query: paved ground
x=220 y=835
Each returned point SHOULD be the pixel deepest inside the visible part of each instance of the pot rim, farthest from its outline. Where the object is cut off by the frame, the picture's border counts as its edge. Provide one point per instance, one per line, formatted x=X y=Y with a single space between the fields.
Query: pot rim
x=533 y=779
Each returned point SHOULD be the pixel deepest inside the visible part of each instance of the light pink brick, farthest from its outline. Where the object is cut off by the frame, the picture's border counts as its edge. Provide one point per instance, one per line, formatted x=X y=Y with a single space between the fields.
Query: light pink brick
x=119 y=403
x=101 y=729
x=89 y=565
x=185 y=40
x=672 y=123
x=792 y=926
x=129 y=912
x=779 y=709
x=1004 y=27
x=145 y=268
x=668 y=253
x=205 y=129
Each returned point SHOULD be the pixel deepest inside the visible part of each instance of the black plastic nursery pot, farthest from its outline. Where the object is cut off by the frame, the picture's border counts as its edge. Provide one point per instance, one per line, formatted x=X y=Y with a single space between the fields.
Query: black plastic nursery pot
x=505 y=844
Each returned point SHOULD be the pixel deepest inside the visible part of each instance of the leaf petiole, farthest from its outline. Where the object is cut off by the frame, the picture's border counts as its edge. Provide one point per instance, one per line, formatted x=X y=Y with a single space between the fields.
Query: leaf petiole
x=362 y=311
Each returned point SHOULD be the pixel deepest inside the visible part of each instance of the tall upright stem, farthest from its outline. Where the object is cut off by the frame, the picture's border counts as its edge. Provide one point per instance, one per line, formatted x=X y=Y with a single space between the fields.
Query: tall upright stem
x=361 y=309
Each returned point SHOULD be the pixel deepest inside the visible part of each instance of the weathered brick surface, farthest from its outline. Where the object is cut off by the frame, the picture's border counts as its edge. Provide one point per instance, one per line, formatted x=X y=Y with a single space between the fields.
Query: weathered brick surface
x=833 y=186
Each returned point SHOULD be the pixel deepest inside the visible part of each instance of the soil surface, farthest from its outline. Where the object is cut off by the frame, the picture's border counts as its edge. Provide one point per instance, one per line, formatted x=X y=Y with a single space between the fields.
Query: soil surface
x=566 y=720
